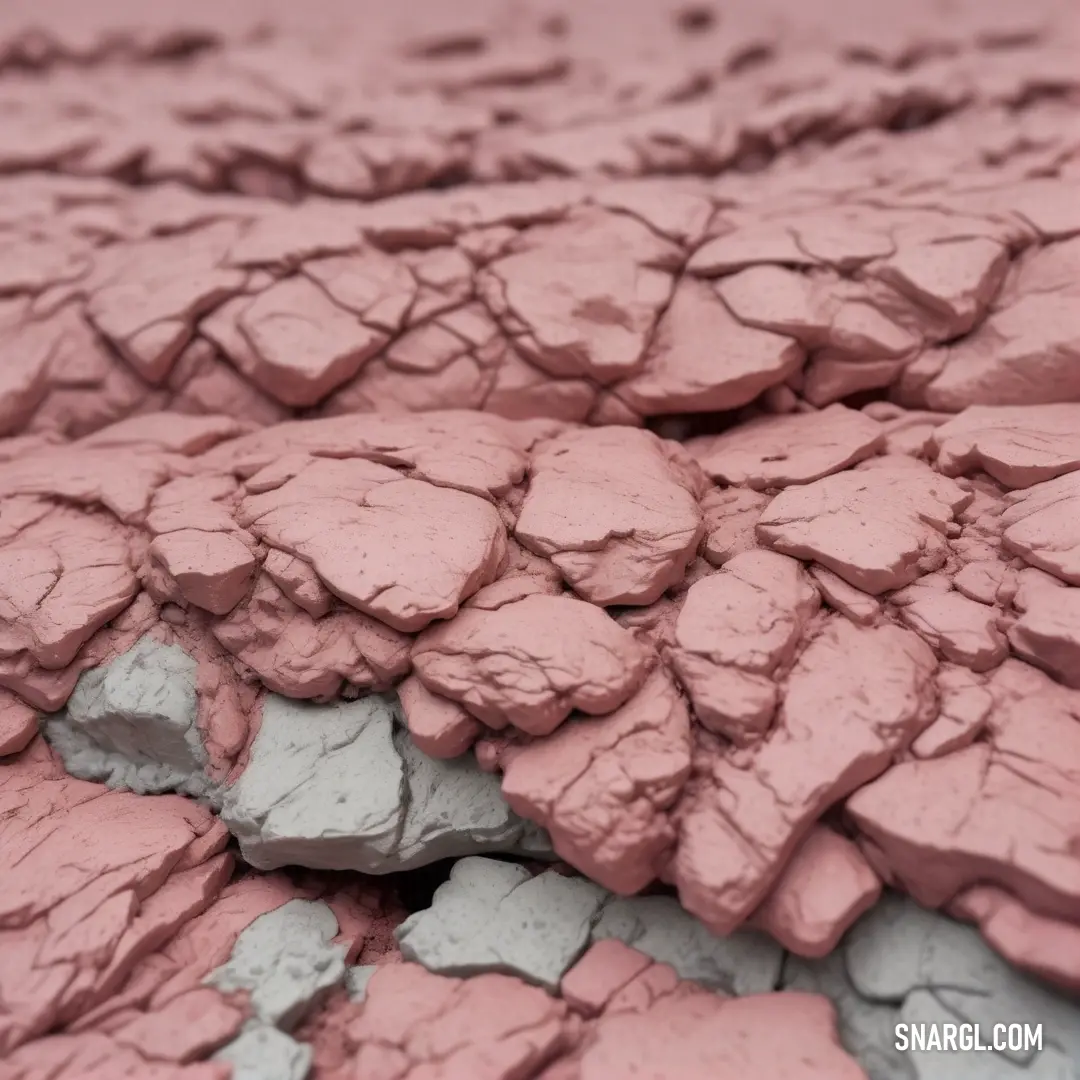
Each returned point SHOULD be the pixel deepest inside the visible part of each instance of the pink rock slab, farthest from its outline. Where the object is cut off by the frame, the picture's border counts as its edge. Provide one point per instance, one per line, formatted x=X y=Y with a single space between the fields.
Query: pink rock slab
x=531 y=662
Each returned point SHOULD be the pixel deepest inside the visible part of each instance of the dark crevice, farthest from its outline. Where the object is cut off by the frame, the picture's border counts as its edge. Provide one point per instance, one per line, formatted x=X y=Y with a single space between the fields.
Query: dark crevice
x=1039 y=92
x=415 y=889
x=862 y=398
x=695 y=20
x=751 y=58
x=1008 y=40
x=39 y=56
x=688 y=425
x=916 y=115
x=859 y=55
x=453 y=176
x=457 y=47
x=183 y=47
x=555 y=27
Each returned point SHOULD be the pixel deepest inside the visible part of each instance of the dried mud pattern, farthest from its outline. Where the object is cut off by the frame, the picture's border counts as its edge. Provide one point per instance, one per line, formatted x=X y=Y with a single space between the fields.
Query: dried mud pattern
x=328 y=520
x=534 y=225
x=560 y=298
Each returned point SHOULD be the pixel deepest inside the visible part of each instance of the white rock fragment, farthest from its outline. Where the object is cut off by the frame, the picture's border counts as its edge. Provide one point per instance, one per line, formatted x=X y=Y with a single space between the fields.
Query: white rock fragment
x=357 y=979
x=342 y=787
x=286 y=961
x=264 y=1053
x=495 y=916
x=939 y=970
x=745 y=962
x=131 y=724
x=902 y=964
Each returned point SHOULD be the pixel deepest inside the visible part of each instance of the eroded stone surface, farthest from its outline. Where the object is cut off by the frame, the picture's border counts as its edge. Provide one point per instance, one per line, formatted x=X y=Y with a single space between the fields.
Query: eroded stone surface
x=703 y=358
x=493 y=916
x=774 y=452
x=856 y=697
x=531 y=662
x=95 y=880
x=266 y=1052
x=1016 y=779
x=736 y=629
x=402 y=551
x=284 y=960
x=602 y=786
x=1038 y=526
x=878 y=529
x=695 y=1033
x=342 y=787
x=1018 y=445
x=610 y=511
x=132 y=724
x=827 y=885
x=932 y=967
x=741 y=963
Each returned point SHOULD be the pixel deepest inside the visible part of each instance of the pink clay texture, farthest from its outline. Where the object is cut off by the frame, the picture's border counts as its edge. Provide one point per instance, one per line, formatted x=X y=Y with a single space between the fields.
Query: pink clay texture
x=669 y=418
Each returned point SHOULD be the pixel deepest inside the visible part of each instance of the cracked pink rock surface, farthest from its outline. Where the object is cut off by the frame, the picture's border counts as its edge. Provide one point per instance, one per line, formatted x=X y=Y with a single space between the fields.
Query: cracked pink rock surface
x=346 y=357
x=689 y=1033
x=830 y=521
x=18 y=724
x=80 y=909
x=525 y=1024
x=372 y=537
x=636 y=784
x=442 y=728
x=491 y=662
x=609 y=510
x=211 y=569
x=64 y=576
x=1018 y=447
x=731 y=516
x=1036 y=524
x=704 y=358
x=823 y=890
x=425 y=300
x=736 y=630
x=581 y=298
x=295 y=342
x=1022 y=347
x=1044 y=946
x=773 y=452
x=962 y=630
x=938 y=845
x=115 y=955
x=616 y=1010
x=855 y=697
x=602 y=786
